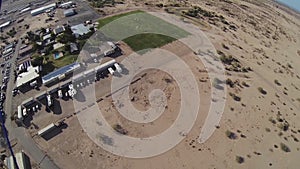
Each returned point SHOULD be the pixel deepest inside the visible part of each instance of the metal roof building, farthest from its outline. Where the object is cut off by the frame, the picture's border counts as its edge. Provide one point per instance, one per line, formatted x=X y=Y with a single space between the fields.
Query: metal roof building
x=46 y=129
x=43 y=9
x=80 y=29
x=26 y=77
x=5 y=24
x=69 y=12
x=60 y=72
x=73 y=48
x=59 y=30
x=67 y=4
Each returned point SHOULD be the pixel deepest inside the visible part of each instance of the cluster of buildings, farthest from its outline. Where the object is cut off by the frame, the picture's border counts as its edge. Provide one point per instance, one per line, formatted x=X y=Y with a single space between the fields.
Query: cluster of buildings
x=68 y=88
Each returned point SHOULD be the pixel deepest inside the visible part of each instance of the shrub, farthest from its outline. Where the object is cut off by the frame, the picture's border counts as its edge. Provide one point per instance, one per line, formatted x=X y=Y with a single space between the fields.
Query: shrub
x=245 y=84
x=229 y=82
x=160 y=5
x=262 y=91
x=277 y=82
x=118 y=128
x=244 y=69
x=290 y=66
x=225 y=47
x=240 y=159
x=268 y=130
x=284 y=126
x=231 y=135
x=235 y=97
x=285 y=148
x=272 y=120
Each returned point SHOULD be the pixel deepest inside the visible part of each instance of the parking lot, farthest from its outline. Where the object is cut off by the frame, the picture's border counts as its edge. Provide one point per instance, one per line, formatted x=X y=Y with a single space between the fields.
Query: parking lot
x=5 y=71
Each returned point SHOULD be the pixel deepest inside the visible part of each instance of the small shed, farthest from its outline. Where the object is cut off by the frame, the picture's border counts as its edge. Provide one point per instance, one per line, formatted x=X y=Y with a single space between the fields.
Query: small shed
x=69 y=12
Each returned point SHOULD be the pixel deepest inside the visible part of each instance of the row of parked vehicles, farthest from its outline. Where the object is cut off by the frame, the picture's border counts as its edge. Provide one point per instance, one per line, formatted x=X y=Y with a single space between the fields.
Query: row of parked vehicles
x=6 y=76
x=2 y=100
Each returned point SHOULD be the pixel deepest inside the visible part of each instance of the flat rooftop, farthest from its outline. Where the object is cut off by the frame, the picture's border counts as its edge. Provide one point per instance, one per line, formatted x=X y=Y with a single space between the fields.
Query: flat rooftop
x=61 y=71
x=80 y=29
x=31 y=74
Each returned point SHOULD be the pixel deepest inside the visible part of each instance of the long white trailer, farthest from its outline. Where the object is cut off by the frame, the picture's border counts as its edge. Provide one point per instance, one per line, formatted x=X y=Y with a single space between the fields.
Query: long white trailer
x=20 y=113
x=94 y=70
x=43 y=9
x=46 y=129
x=105 y=65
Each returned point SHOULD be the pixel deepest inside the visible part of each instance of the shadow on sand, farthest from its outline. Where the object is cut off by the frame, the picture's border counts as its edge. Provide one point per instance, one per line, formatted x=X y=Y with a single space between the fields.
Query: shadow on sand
x=55 y=131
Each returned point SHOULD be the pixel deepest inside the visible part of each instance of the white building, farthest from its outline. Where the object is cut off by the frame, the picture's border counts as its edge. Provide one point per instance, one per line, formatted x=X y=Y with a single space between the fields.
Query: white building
x=5 y=24
x=67 y=4
x=43 y=9
x=80 y=29
x=26 y=77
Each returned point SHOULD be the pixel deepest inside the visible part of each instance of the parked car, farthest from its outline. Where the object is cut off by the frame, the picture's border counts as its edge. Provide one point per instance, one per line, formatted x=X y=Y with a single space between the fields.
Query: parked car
x=2 y=97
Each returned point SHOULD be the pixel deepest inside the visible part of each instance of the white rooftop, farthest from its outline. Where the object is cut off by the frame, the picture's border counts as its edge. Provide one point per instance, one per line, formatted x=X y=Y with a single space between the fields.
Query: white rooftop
x=80 y=29
x=31 y=74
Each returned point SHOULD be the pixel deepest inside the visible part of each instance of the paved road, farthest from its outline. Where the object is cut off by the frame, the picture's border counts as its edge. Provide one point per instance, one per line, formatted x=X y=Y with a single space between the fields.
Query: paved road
x=10 y=86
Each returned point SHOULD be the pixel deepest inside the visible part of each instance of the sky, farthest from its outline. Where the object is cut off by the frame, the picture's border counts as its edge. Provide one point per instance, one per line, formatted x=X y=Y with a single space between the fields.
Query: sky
x=295 y=4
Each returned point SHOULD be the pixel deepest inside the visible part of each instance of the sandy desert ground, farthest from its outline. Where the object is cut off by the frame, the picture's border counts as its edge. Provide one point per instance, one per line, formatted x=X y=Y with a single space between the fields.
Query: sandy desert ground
x=260 y=124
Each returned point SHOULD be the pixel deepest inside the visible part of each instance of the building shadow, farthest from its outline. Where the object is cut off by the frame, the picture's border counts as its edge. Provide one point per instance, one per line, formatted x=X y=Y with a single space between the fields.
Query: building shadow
x=27 y=121
x=125 y=71
x=80 y=96
x=27 y=161
x=25 y=88
x=118 y=52
x=54 y=132
x=56 y=107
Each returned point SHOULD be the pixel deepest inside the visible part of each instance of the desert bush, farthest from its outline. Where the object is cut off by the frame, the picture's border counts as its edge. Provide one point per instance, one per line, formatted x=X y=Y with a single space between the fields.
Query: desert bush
x=240 y=159
x=231 y=135
x=245 y=84
x=272 y=120
x=160 y=5
x=118 y=128
x=229 y=82
x=225 y=47
x=283 y=126
x=262 y=91
x=284 y=147
x=244 y=69
x=220 y=53
x=235 y=97
x=277 y=82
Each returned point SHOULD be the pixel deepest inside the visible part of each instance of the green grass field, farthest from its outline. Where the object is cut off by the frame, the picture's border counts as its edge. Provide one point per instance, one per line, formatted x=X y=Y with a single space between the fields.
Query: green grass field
x=140 y=30
x=147 y=41
x=107 y=20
